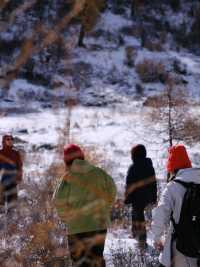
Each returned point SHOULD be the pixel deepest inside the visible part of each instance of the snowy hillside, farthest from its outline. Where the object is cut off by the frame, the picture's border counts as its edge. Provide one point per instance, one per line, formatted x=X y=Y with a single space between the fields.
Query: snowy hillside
x=111 y=80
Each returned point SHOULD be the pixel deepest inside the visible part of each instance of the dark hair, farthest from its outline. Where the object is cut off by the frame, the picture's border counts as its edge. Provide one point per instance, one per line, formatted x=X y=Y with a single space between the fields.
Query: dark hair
x=138 y=152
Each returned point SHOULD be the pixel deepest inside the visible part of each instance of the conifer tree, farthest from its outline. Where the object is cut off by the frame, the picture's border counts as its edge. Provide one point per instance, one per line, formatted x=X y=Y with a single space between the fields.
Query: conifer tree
x=136 y=5
x=170 y=109
x=36 y=43
x=89 y=17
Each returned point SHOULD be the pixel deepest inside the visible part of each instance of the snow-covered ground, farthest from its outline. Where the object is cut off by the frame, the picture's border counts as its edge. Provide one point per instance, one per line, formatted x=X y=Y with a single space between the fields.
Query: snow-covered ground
x=110 y=120
x=112 y=131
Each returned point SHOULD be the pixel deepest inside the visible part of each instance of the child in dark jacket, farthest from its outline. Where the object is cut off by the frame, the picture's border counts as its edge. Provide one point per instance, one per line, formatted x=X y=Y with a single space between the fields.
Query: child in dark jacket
x=141 y=190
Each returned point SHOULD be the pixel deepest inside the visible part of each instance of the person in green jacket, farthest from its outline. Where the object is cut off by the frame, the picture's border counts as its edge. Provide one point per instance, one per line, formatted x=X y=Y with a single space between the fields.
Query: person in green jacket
x=83 y=200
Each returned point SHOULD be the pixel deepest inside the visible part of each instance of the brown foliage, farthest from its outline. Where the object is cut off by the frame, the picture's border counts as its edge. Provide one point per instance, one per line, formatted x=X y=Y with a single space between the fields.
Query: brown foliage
x=151 y=71
x=154 y=45
x=34 y=233
x=170 y=109
x=131 y=54
x=41 y=37
x=90 y=13
x=190 y=131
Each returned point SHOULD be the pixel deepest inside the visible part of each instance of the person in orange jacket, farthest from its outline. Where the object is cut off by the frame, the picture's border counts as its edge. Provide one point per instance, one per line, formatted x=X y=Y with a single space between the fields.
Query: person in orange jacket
x=11 y=170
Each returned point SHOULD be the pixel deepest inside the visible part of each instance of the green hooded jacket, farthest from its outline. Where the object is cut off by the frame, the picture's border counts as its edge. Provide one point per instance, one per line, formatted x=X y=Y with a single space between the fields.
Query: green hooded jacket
x=84 y=198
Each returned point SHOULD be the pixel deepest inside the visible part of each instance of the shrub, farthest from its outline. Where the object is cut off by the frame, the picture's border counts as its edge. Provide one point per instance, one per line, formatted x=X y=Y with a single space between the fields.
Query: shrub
x=121 y=215
x=194 y=35
x=132 y=256
x=179 y=67
x=190 y=131
x=139 y=89
x=154 y=45
x=131 y=30
x=151 y=71
x=33 y=234
x=175 y=4
x=131 y=55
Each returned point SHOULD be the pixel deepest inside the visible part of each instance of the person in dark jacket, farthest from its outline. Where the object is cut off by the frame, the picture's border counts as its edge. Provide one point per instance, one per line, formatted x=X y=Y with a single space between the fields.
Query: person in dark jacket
x=11 y=172
x=141 y=190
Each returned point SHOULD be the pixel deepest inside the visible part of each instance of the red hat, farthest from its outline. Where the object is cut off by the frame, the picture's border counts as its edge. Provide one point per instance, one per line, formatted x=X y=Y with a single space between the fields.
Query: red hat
x=72 y=152
x=178 y=158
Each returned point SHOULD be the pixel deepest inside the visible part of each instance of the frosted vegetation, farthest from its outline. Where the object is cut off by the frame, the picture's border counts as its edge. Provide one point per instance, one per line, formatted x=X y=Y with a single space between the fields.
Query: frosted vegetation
x=105 y=75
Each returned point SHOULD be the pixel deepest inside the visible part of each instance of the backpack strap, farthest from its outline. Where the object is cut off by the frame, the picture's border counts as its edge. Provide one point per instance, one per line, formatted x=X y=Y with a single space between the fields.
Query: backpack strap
x=173 y=237
x=171 y=178
x=198 y=262
x=185 y=184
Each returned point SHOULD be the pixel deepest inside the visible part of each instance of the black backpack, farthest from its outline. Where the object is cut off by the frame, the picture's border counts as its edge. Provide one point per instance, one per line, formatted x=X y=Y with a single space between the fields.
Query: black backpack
x=187 y=231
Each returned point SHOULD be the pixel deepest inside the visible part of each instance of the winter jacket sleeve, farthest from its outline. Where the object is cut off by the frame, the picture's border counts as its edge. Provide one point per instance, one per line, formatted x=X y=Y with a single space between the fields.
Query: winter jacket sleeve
x=111 y=188
x=151 y=183
x=19 y=165
x=60 y=198
x=162 y=213
x=129 y=181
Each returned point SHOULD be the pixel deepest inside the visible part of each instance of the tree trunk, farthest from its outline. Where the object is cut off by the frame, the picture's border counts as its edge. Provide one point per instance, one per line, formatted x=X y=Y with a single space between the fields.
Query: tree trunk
x=170 y=130
x=133 y=13
x=81 y=36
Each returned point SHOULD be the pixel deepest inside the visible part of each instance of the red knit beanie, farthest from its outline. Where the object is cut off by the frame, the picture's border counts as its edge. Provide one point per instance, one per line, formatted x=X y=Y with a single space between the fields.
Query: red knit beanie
x=72 y=152
x=178 y=158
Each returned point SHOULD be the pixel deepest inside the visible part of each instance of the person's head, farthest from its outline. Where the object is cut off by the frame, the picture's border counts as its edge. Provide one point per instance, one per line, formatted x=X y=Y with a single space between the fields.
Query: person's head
x=138 y=152
x=177 y=159
x=7 y=141
x=72 y=152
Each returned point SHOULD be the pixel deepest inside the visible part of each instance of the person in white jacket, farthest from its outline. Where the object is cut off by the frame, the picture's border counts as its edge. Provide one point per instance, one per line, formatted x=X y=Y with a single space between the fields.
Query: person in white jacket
x=179 y=166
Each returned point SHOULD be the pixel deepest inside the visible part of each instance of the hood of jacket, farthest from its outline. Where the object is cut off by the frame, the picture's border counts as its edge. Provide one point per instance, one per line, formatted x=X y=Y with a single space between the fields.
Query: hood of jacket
x=189 y=175
x=81 y=167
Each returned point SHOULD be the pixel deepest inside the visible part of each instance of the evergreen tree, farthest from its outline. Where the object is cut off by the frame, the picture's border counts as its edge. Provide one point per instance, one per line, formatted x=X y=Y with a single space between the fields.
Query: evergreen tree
x=89 y=17
x=171 y=109
x=32 y=38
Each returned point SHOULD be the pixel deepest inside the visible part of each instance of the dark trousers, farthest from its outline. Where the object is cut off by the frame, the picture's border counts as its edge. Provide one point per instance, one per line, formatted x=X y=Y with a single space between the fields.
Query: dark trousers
x=9 y=193
x=86 y=249
x=138 y=223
